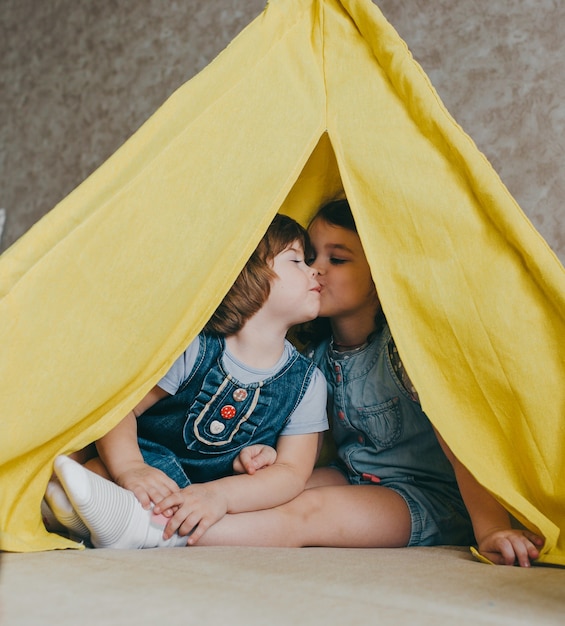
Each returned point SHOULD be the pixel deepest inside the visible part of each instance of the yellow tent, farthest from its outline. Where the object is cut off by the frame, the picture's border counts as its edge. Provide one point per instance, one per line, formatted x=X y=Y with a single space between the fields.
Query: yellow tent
x=314 y=99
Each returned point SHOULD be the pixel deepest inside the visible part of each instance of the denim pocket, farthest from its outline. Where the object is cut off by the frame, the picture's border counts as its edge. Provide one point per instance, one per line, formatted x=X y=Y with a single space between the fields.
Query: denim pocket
x=382 y=422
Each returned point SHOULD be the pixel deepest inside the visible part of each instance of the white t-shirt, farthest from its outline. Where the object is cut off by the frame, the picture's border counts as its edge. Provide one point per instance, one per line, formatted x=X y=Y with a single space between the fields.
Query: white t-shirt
x=310 y=415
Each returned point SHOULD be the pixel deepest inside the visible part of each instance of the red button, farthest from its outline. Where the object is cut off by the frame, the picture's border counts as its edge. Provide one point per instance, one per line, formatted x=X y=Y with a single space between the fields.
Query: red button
x=228 y=411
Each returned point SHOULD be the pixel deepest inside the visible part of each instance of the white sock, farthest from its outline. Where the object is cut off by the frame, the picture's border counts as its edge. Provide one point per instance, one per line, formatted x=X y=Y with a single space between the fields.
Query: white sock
x=113 y=515
x=50 y=521
x=58 y=504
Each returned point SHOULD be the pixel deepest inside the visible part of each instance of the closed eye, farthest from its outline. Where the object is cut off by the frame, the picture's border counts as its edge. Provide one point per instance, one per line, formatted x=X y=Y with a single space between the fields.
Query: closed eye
x=336 y=261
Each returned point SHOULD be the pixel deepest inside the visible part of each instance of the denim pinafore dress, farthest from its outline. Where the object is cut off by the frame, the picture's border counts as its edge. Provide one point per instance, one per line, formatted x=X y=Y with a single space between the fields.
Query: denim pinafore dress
x=195 y=435
x=384 y=438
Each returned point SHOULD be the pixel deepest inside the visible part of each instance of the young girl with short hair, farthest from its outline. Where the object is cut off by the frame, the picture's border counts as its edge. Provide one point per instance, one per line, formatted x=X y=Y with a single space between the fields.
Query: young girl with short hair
x=239 y=383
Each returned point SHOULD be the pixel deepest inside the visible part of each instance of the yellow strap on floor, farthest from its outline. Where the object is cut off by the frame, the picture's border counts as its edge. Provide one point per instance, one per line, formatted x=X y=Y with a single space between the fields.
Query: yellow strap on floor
x=313 y=99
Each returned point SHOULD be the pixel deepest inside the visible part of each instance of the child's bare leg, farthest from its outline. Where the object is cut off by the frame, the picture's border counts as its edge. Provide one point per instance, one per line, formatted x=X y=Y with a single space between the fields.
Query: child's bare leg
x=95 y=465
x=325 y=477
x=85 y=454
x=354 y=516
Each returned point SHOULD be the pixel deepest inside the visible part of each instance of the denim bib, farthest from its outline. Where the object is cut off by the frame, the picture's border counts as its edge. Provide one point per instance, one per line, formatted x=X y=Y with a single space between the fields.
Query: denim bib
x=380 y=431
x=195 y=435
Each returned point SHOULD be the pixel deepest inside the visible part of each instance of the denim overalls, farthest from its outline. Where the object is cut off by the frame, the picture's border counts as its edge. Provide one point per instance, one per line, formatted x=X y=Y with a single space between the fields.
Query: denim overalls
x=384 y=438
x=195 y=435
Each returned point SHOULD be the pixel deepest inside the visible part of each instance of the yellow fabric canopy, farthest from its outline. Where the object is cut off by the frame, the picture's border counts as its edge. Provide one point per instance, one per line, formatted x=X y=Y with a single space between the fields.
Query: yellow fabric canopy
x=314 y=99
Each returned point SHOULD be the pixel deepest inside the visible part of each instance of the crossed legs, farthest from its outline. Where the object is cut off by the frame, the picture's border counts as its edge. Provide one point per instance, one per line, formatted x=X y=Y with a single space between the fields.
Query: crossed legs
x=331 y=512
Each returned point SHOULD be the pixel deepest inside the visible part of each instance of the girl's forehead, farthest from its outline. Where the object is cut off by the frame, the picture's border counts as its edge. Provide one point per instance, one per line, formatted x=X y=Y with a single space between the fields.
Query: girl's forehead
x=294 y=246
x=321 y=225
x=326 y=232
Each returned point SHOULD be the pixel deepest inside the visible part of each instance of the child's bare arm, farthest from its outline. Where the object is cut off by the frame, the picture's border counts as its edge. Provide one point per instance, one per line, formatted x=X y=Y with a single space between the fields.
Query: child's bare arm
x=200 y=506
x=122 y=459
x=259 y=456
x=254 y=458
x=496 y=538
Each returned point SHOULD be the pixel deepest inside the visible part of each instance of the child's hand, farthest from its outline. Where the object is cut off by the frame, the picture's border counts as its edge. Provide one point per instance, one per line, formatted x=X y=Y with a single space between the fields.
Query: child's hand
x=253 y=458
x=147 y=483
x=192 y=510
x=511 y=547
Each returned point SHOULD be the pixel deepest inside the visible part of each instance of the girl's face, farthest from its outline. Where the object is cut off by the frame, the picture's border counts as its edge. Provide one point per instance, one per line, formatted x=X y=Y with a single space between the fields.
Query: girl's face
x=295 y=293
x=344 y=274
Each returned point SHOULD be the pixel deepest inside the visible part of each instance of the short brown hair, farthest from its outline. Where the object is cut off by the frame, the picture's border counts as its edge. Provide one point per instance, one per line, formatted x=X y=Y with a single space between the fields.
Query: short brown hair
x=253 y=285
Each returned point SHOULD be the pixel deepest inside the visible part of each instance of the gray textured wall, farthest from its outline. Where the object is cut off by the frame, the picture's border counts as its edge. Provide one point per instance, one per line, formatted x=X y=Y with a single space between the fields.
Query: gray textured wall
x=77 y=77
